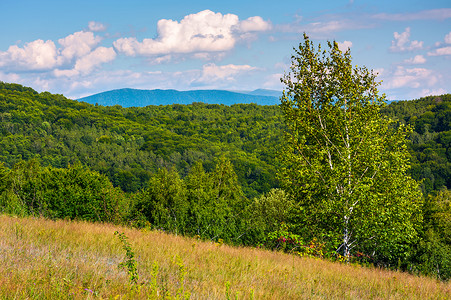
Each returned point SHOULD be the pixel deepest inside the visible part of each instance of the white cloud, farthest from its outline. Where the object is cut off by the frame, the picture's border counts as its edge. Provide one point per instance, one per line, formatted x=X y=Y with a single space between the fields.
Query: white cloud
x=411 y=78
x=162 y=59
x=331 y=26
x=78 y=54
x=78 y=44
x=41 y=56
x=428 y=92
x=273 y=82
x=344 y=46
x=87 y=63
x=80 y=86
x=43 y=83
x=254 y=24
x=442 y=48
x=212 y=72
x=96 y=26
x=418 y=59
x=98 y=56
x=448 y=38
x=9 y=77
x=205 y=31
x=67 y=73
x=209 y=76
x=209 y=55
x=181 y=57
x=441 y=51
x=36 y=55
x=402 y=42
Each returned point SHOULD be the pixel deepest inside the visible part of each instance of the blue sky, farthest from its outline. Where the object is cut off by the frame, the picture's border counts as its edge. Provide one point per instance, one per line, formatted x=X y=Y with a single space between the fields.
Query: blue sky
x=78 y=48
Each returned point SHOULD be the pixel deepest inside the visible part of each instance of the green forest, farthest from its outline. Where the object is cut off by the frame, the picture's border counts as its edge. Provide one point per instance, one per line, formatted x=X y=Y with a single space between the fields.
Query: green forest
x=202 y=170
x=130 y=144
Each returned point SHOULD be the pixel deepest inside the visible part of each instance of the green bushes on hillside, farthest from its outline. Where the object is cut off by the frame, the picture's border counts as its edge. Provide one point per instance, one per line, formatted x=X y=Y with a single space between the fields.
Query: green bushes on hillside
x=75 y=193
x=208 y=205
x=198 y=170
x=430 y=143
x=129 y=144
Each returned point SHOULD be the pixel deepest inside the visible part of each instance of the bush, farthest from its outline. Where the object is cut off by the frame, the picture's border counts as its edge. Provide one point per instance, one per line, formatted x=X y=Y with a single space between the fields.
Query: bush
x=74 y=193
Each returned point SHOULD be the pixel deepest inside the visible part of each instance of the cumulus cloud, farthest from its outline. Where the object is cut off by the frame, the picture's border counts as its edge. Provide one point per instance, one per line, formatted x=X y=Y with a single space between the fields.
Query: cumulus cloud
x=98 y=56
x=402 y=42
x=87 y=63
x=211 y=72
x=9 y=77
x=78 y=53
x=411 y=77
x=209 y=55
x=440 y=51
x=446 y=50
x=36 y=55
x=417 y=59
x=96 y=26
x=44 y=55
x=205 y=31
x=254 y=24
x=78 y=44
x=344 y=46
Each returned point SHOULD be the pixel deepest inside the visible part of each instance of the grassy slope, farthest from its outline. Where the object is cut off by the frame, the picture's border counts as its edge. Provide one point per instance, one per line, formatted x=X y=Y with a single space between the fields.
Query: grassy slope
x=42 y=259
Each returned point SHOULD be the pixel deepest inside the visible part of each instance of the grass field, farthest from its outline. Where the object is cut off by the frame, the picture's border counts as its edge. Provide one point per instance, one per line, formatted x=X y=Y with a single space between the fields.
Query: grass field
x=43 y=259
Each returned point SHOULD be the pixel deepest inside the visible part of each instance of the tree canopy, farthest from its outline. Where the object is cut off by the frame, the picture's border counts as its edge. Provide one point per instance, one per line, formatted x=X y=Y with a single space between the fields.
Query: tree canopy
x=346 y=164
x=208 y=170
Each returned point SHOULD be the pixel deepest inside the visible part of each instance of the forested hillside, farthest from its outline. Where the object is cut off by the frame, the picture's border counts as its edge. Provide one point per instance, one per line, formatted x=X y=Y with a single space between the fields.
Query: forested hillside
x=430 y=144
x=130 y=144
x=140 y=98
x=199 y=170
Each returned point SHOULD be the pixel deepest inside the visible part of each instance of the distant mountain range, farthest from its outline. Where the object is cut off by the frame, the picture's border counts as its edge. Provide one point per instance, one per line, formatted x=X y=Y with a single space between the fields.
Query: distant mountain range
x=141 y=98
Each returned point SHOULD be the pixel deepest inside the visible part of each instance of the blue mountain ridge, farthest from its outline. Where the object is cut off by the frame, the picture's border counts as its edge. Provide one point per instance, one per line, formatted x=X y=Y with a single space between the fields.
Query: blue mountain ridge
x=139 y=98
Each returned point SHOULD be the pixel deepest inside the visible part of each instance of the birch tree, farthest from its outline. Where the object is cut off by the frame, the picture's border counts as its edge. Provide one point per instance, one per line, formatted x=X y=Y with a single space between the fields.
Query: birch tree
x=345 y=164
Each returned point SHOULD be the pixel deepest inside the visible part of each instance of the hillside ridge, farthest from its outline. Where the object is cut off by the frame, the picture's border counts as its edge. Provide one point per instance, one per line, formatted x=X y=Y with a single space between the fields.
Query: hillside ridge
x=128 y=97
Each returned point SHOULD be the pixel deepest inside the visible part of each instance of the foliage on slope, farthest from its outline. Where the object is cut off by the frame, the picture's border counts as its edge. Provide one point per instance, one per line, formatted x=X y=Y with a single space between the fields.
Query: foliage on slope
x=431 y=140
x=130 y=144
x=168 y=160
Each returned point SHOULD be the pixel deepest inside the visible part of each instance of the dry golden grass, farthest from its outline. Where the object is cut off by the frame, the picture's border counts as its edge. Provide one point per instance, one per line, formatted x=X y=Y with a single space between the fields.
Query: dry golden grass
x=42 y=259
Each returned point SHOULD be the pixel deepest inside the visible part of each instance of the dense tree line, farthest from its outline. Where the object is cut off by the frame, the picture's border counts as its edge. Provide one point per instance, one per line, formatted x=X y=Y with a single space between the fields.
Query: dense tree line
x=207 y=205
x=199 y=170
x=430 y=141
x=429 y=145
x=59 y=193
x=130 y=144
